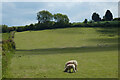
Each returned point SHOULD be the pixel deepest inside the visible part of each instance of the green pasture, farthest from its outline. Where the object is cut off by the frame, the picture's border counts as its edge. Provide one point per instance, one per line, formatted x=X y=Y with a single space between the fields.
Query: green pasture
x=42 y=54
x=0 y=55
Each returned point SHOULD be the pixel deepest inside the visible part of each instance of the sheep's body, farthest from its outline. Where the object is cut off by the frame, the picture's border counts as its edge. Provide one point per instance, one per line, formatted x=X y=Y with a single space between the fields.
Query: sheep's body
x=69 y=67
x=72 y=62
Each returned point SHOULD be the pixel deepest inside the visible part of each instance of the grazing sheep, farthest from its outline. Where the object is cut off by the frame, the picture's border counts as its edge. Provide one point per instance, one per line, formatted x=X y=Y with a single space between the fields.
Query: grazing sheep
x=72 y=62
x=69 y=67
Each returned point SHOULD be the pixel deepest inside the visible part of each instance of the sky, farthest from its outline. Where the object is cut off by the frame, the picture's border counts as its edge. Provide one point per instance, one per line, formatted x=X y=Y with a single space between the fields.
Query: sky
x=59 y=0
x=24 y=13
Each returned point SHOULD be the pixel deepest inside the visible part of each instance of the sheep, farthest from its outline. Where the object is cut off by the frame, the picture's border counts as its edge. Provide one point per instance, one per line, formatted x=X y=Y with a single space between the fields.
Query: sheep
x=72 y=62
x=69 y=67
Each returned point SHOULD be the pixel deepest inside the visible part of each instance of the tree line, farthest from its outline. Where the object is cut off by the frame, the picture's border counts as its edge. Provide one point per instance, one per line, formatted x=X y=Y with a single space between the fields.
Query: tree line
x=47 y=20
x=108 y=16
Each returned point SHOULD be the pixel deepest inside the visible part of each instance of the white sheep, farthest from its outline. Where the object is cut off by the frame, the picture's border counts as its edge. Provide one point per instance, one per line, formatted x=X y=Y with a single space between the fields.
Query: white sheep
x=71 y=62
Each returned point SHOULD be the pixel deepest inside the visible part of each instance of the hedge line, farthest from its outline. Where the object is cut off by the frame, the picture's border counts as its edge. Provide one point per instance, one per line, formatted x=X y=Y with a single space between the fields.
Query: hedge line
x=8 y=50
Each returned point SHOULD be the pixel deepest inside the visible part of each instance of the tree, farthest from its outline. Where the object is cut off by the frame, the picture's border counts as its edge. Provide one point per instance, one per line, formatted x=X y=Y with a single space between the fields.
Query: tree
x=96 y=17
x=61 y=18
x=103 y=18
x=4 y=28
x=44 y=16
x=91 y=21
x=31 y=27
x=108 y=16
x=20 y=29
x=85 y=21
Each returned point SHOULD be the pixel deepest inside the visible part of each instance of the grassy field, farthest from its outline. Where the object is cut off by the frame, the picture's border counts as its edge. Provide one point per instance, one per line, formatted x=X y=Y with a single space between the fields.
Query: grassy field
x=0 y=55
x=42 y=54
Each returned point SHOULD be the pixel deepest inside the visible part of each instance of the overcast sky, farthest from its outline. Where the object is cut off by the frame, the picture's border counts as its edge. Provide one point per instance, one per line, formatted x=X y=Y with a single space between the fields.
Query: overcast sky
x=24 y=13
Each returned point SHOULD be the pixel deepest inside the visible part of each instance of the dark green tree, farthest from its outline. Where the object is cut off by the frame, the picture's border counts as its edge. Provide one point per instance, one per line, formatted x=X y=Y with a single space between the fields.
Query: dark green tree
x=31 y=27
x=108 y=16
x=44 y=16
x=85 y=21
x=61 y=18
x=103 y=18
x=96 y=17
x=4 y=28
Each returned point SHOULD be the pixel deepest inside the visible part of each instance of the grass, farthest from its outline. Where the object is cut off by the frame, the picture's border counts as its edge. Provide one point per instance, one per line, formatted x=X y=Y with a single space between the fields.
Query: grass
x=42 y=54
x=5 y=36
x=0 y=55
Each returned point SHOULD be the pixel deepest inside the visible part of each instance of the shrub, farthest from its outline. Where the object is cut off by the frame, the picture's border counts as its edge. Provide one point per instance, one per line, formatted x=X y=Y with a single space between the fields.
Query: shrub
x=8 y=49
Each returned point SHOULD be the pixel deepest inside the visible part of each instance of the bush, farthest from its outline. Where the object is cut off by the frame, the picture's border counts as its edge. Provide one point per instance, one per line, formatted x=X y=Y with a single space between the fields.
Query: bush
x=8 y=49
x=54 y=25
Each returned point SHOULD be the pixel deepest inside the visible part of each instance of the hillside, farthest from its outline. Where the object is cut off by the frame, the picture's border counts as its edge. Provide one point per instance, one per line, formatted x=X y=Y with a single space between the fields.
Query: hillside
x=63 y=38
x=44 y=53
x=0 y=55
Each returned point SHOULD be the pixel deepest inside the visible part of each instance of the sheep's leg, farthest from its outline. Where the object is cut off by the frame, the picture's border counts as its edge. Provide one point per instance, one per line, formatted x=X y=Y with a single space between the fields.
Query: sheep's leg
x=66 y=69
x=76 y=68
x=69 y=70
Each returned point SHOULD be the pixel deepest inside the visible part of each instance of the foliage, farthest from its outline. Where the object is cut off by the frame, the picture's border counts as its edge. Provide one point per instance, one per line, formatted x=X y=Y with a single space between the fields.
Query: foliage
x=45 y=21
x=44 y=16
x=8 y=45
x=8 y=49
x=108 y=16
x=85 y=21
x=116 y=19
x=54 y=25
x=96 y=17
x=98 y=24
x=61 y=20
x=4 y=28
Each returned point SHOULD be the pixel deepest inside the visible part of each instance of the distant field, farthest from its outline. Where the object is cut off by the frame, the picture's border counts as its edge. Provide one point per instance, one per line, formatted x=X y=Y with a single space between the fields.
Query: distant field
x=42 y=54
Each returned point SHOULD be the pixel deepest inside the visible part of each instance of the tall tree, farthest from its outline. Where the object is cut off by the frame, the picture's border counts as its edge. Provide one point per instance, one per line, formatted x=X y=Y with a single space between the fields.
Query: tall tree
x=85 y=21
x=96 y=17
x=44 y=16
x=108 y=16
